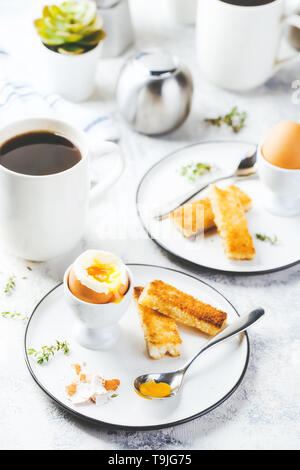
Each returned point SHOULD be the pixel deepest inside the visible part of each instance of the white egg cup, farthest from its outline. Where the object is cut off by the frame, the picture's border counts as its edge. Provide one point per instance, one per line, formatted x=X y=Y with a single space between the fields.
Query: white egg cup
x=282 y=187
x=97 y=324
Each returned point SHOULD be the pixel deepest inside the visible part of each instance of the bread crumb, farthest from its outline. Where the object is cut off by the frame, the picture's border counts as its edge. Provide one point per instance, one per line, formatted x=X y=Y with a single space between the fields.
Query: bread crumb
x=77 y=368
x=111 y=384
x=71 y=389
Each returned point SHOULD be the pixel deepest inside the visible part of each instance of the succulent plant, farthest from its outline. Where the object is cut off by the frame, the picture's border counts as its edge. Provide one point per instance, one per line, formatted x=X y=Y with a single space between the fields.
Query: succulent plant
x=71 y=27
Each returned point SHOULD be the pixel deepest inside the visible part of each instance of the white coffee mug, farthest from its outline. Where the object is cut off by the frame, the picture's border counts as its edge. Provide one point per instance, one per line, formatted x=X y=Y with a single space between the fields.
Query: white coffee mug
x=237 y=46
x=42 y=217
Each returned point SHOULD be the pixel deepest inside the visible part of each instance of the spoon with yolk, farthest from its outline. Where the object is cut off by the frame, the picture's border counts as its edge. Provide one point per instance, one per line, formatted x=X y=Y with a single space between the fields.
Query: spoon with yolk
x=167 y=384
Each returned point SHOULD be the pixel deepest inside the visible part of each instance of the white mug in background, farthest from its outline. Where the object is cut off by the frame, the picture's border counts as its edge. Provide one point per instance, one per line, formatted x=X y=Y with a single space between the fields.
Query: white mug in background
x=237 y=46
x=182 y=11
x=42 y=217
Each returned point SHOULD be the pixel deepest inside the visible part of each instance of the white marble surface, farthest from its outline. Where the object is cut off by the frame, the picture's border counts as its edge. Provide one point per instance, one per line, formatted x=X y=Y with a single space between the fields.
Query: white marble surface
x=264 y=411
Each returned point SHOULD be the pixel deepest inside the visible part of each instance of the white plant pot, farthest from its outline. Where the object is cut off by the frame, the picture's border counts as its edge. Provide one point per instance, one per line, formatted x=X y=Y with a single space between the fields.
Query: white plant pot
x=72 y=76
x=183 y=11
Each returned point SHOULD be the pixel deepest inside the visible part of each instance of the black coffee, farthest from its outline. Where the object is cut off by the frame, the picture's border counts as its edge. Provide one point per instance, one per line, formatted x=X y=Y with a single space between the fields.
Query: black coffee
x=248 y=3
x=39 y=153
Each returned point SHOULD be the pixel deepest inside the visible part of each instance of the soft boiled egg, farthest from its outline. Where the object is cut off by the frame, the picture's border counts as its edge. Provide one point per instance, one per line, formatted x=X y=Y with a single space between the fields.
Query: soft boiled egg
x=98 y=277
x=282 y=145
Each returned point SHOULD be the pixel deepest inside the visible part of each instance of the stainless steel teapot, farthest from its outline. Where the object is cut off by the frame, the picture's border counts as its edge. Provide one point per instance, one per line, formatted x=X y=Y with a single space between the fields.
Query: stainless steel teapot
x=154 y=92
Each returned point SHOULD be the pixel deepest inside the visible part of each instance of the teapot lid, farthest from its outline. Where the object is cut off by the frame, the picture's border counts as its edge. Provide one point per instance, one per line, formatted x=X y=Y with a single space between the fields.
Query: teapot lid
x=157 y=62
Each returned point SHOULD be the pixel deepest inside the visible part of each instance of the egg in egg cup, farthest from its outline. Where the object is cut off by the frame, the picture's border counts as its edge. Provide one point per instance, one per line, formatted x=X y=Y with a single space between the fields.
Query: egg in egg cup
x=281 y=187
x=97 y=316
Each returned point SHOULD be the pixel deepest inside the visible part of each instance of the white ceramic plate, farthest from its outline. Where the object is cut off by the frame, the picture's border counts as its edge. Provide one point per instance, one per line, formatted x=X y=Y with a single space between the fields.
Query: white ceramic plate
x=210 y=381
x=163 y=182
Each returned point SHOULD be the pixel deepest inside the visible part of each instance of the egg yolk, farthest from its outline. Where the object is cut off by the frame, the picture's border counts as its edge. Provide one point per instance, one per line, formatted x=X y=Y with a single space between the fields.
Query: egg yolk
x=107 y=273
x=155 y=389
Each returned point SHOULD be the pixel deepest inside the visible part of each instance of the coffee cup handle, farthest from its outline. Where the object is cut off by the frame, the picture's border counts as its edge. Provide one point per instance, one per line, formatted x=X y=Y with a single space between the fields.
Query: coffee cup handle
x=108 y=148
x=292 y=20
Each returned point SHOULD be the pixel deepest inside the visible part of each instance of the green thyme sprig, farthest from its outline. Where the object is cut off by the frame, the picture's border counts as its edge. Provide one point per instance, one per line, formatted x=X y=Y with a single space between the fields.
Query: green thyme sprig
x=265 y=238
x=194 y=170
x=235 y=119
x=10 y=285
x=47 y=352
x=11 y=315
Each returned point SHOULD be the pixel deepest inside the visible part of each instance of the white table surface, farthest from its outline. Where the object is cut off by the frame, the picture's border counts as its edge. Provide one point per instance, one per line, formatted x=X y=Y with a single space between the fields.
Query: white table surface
x=264 y=412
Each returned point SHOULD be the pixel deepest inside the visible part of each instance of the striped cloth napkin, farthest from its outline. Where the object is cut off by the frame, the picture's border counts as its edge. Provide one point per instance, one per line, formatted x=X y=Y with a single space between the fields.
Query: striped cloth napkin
x=18 y=100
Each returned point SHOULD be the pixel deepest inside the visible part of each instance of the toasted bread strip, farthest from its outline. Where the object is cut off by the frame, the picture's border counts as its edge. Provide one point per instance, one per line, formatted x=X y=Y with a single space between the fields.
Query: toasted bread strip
x=161 y=333
x=182 y=307
x=197 y=217
x=231 y=224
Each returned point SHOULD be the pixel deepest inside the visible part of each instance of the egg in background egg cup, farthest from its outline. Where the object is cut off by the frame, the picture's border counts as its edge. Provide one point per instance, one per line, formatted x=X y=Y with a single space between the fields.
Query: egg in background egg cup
x=97 y=324
x=282 y=187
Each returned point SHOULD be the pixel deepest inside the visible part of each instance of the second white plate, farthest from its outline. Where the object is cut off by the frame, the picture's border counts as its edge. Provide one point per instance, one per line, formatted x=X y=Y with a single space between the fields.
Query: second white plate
x=163 y=182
